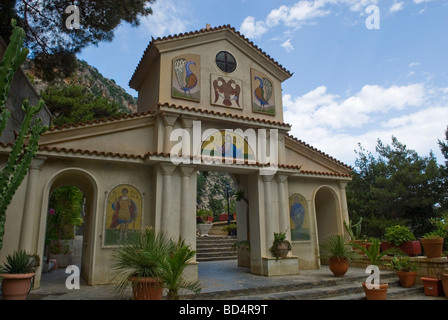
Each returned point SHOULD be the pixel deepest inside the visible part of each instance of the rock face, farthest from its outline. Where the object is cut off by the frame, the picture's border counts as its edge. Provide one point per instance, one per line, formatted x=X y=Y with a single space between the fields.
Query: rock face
x=86 y=76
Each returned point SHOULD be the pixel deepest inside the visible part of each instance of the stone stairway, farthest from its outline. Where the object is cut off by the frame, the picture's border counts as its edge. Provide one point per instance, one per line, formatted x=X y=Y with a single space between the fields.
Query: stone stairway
x=213 y=248
x=343 y=288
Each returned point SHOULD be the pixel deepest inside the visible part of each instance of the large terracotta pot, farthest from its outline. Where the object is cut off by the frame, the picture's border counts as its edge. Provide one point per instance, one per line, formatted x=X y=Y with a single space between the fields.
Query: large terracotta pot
x=432 y=286
x=16 y=286
x=376 y=294
x=411 y=248
x=445 y=283
x=147 y=288
x=433 y=247
x=338 y=266
x=407 y=278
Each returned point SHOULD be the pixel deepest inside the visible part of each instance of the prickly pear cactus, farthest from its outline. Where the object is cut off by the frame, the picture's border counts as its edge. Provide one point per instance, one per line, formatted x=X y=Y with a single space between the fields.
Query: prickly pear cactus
x=26 y=144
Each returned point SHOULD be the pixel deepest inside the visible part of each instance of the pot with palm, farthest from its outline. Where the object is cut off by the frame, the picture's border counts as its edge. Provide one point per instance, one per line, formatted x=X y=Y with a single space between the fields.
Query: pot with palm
x=406 y=270
x=151 y=262
x=17 y=274
x=375 y=290
x=280 y=246
x=339 y=254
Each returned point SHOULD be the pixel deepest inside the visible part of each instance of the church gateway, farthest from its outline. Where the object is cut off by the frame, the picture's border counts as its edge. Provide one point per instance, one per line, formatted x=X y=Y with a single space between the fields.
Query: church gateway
x=208 y=100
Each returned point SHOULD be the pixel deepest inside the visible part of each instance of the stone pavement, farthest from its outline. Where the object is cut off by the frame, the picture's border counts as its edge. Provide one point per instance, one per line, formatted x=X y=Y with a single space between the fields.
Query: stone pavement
x=225 y=280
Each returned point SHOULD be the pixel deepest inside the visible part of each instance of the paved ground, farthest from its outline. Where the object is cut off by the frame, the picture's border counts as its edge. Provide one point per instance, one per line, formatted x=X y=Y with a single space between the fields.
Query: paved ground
x=214 y=276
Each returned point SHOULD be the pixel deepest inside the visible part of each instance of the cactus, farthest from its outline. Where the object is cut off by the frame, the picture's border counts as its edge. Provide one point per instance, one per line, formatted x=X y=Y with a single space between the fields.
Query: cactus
x=354 y=230
x=26 y=144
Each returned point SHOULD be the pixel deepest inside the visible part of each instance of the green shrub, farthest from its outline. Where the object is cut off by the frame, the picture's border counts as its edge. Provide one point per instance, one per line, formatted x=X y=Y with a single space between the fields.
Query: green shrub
x=398 y=234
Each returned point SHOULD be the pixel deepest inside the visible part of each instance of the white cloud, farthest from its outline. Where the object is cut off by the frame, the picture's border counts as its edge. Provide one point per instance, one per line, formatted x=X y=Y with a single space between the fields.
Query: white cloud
x=421 y=1
x=253 y=29
x=287 y=45
x=414 y=114
x=397 y=6
x=167 y=18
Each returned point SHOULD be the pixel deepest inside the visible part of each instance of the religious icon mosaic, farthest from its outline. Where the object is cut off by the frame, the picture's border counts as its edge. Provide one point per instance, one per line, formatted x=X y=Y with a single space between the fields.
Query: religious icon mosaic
x=123 y=214
x=299 y=218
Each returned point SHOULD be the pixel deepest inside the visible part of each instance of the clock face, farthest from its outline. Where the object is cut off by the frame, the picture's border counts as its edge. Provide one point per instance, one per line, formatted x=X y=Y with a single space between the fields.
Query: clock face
x=225 y=61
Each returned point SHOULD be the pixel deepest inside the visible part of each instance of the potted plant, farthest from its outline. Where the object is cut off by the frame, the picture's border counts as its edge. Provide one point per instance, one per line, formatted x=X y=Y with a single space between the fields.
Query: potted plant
x=432 y=242
x=280 y=247
x=203 y=225
x=445 y=282
x=173 y=267
x=230 y=229
x=403 y=238
x=138 y=263
x=375 y=257
x=354 y=231
x=406 y=270
x=17 y=274
x=339 y=254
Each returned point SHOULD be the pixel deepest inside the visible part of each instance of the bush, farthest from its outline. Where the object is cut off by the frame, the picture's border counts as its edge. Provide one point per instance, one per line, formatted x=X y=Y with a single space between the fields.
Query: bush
x=398 y=234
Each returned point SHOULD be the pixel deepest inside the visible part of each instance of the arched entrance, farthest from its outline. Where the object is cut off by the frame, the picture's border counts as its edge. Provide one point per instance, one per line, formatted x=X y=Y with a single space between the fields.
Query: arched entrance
x=85 y=182
x=327 y=212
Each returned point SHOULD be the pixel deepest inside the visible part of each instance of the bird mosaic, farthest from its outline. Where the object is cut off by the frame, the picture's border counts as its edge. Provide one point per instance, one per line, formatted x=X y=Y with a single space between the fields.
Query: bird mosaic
x=186 y=79
x=228 y=91
x=263 y=93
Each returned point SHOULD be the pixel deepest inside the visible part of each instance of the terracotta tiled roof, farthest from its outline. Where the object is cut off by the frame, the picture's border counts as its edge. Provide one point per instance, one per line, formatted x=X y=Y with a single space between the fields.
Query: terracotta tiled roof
x=103 y=120
x=204 y=31
x=318 y=151
x=322 y=173
x=223 y=114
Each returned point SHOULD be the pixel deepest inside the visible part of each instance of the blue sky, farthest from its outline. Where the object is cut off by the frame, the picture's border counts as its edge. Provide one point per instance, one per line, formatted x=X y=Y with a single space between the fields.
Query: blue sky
x=351 y=84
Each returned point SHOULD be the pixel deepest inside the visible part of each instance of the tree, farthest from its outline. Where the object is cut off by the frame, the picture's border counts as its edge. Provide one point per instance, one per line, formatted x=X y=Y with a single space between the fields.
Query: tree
x=444 y=171
x=397 y=187
x=26 y=144
x=73 y=104
x=45 y=24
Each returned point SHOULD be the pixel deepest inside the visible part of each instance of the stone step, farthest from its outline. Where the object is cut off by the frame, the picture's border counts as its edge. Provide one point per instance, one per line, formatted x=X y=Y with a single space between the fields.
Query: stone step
x=215 y=248
x=343 y=288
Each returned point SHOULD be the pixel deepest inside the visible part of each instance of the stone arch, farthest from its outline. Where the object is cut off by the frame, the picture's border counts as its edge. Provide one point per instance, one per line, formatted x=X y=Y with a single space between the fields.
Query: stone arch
x=84 y=181
x=327 y=208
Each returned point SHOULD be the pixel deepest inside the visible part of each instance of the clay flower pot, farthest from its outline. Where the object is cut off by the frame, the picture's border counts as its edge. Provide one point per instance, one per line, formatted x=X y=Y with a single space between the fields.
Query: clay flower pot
x=433 y=247
x=445 y=283
x=147 y=288
x=16 y=286
x=432 y=286
x=376 y=293
x=338 y=266
x=407 y=278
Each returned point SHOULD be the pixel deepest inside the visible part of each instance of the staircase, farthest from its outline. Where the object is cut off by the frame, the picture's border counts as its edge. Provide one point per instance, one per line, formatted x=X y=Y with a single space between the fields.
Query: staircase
x=343 y=288
x=213 y=248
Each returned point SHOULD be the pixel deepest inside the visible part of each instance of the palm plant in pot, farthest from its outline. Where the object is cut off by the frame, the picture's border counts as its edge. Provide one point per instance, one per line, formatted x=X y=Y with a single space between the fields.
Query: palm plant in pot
x=339 y=253
x=406 y=270
x=375 y=257
x=138 y=263
x=17 y=274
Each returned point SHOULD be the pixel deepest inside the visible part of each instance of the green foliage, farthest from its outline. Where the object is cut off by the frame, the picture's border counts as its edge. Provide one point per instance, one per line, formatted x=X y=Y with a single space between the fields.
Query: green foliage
x=147 y=253
x=279 y=239
x=173 y=267
x=26 y=144
x=374 y=253
x=66 y=204
x=335 y=246
x=397 y=185
x=354 y=229
x=48 y=36
x=242 y=244
x=398 y=234
x=73 y=104
x=19 y=263
x=402 y=263
x=230 y=227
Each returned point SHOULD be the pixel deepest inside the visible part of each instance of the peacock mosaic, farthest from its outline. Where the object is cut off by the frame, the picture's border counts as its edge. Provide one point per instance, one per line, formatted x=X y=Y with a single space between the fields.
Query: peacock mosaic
x=186 y=82
x=226 y=92
x=262 y=93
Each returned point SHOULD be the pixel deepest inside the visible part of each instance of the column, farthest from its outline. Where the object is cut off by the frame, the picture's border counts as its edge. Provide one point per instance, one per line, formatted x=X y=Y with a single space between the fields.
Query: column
x=166 y=219
x=187 y=124
x=187 y=215
x=268 y=216
x=168 y=122
x=344 y=208
x=30 y=210
x=283 y=216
